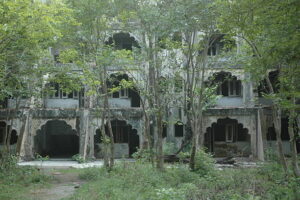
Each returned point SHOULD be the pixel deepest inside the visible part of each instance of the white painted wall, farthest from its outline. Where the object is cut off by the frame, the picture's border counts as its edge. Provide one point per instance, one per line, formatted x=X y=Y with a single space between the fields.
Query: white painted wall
x=62 y=103
x=119 y=102
x=230 y=102
x=286 y=146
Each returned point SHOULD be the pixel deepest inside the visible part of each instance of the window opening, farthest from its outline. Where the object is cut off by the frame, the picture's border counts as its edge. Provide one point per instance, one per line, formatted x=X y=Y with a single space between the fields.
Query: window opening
x=75 y=94
x=229 y=128
x=64 y=94
x=123 y=93
x=178 y=129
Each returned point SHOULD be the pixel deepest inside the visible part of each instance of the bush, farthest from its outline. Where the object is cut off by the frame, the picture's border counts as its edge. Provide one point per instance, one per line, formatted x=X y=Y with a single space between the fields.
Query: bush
x=143 y=155
x=271 y=155
x=78 y=158
x=91 y=173
x=169 y=148
x=10 y=172
x=8 y=162
x=204 y=163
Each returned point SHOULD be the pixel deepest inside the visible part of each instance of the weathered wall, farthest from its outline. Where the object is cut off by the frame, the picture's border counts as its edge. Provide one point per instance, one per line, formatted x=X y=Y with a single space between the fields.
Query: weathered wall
x=246 y=117
x=121 y=150
x=119 y=103
x=61 y=103
x=230 y=102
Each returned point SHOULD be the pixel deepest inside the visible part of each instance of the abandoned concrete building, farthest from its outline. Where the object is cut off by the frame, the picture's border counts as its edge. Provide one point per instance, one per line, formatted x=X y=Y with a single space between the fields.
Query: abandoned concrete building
x=240 y=123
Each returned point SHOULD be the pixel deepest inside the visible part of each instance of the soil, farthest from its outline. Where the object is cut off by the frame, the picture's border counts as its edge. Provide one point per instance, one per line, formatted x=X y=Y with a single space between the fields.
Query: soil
x=62 y=186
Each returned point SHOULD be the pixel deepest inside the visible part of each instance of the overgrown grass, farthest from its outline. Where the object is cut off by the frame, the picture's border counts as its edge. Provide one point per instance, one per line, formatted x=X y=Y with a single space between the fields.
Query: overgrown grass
x=16 y=182
x=142 y=181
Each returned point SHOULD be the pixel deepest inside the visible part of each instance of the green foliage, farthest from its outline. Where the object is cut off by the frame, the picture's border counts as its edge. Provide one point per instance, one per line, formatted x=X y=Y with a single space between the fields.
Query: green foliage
x=169 y=148
x=122 y=183
x=16 y=180
x=143 y=155
x=78 y=158
x=27 y=29
x=41 y=158
x=90 y=174
x=8 y=162
x=204 y=163
x=271 y=155
x=142 y=181
x=283 y=187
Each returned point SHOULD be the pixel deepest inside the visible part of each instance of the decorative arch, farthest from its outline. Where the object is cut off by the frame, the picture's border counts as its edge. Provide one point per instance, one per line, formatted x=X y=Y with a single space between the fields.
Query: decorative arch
x=123 y=133
x=239 y=74
x=39 y=123
x=56 y=138
x=246 y=130
x=227 y=136
x=131 y=93
x=244 y=120
x=122 y=40
x=14 y=133
x=228 y=84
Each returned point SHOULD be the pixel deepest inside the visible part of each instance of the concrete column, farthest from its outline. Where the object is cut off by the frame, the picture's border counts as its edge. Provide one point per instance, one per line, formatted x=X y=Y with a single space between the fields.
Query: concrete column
x=260 y=145
x=26 y=146
x=91 y=133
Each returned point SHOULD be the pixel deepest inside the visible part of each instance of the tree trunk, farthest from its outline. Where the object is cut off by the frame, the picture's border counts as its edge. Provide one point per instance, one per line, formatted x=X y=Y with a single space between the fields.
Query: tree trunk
x=195 y=138
x=276 y=113
x=160 y=156
x=277 y=124
x=107 y=112
x=104 y=142
x=292 y=119
x=111 y=142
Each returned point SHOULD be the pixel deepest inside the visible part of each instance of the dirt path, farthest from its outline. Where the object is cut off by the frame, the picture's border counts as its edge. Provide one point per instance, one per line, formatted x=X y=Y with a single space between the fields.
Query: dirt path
x=62 y=186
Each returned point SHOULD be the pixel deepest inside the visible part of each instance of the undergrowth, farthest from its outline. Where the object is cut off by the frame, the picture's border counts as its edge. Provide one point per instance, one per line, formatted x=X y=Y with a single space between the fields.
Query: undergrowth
x=15 y=180
x=141 y=181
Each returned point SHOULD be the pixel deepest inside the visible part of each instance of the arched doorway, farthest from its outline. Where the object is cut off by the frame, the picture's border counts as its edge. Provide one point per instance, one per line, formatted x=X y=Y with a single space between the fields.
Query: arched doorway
x=3 y=131
x=56 y=139
x=227 y=137
x=126 y=139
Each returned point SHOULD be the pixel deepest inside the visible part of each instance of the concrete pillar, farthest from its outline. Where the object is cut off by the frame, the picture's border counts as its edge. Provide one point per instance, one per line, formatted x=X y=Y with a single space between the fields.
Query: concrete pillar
x=260 y=145
x=26 y=146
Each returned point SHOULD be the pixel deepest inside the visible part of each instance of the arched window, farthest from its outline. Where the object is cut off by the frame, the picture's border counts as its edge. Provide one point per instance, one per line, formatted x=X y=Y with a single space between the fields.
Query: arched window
x=228 y=85
x=122 y=41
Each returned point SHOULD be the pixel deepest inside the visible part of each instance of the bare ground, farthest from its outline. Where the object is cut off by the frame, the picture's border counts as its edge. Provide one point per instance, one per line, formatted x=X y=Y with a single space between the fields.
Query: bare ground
x=63 y=185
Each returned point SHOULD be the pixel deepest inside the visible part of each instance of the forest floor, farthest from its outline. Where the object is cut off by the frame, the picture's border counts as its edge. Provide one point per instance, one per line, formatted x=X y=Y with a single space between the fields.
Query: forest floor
x=141 y=180
x=62 y=184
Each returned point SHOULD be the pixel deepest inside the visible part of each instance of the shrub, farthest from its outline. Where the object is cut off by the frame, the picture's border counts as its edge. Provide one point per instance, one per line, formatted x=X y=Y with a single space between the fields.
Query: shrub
x=204 y=163
x=78 y=158
x=8 y=162
x=91 y=173
x=143 y=155
x=271 y=155
x=169 y=148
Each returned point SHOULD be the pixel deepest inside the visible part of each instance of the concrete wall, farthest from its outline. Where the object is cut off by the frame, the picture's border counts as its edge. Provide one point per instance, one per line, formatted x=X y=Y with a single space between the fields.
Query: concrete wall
x=61 y=103
x=11 y=103
x=264 y=101
x=272 y=144
x=119 y=102
x=121 y=150
x=230 y=102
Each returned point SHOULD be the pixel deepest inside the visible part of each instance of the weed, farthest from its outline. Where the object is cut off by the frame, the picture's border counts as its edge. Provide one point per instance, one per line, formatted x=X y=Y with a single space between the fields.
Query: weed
x=78 y=158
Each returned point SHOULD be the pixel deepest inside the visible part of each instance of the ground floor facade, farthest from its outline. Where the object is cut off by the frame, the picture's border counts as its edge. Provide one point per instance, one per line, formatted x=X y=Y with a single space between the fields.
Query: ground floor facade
x=63 y=133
